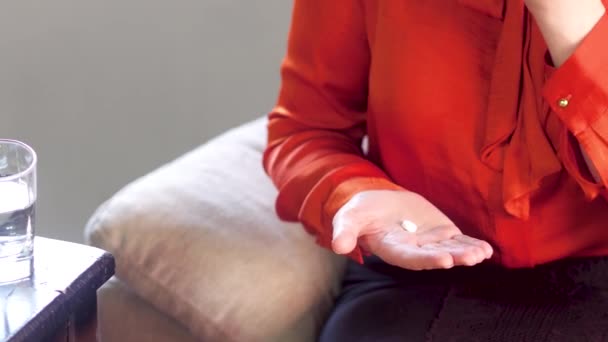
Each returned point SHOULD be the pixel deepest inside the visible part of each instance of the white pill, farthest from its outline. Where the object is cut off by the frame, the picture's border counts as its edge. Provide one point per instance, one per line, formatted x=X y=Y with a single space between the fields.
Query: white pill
x=409 y=226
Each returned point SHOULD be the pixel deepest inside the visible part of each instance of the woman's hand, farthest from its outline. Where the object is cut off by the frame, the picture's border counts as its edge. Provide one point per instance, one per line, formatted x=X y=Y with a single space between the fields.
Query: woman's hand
x=427 y=240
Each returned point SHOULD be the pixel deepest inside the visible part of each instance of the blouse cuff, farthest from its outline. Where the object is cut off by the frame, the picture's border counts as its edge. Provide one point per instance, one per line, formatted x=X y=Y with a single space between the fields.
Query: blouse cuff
x=577 y=91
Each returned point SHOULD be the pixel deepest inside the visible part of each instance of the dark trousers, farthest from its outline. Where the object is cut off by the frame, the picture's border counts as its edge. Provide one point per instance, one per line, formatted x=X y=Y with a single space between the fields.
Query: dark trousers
x=561 y=301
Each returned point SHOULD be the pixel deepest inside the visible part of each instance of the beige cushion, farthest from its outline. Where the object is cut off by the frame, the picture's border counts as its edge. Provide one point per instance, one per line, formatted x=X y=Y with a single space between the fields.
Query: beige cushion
x=124 y=316
x=199 y=239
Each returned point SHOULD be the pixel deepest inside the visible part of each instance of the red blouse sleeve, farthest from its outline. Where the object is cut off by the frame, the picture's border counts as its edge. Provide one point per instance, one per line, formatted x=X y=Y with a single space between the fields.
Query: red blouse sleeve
x=314 y=153
x=578 y=93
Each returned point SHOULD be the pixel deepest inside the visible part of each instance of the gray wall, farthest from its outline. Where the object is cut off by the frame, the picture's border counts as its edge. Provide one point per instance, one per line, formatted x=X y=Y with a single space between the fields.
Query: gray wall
x=106 y=91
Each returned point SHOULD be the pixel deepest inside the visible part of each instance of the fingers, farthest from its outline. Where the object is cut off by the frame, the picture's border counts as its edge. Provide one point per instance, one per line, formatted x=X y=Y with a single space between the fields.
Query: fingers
x=459 y=243
x=414 y=258
x=486 y=247
x=344 y=243
x=462 y=253
x=345 y=237
x=403 y=249
x=465 y=251
x=456 y=250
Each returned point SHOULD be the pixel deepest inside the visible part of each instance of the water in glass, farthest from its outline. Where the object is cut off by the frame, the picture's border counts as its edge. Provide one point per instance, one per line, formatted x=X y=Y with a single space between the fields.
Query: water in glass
x=17 y=209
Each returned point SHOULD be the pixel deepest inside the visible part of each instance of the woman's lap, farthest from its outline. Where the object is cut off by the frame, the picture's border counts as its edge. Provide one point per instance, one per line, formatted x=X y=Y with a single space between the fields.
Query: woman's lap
x=564 y=301
x=375 y=307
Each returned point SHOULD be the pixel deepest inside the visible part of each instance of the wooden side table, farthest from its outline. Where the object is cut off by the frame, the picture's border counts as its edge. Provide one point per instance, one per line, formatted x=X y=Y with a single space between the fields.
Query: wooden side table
x=59 y=302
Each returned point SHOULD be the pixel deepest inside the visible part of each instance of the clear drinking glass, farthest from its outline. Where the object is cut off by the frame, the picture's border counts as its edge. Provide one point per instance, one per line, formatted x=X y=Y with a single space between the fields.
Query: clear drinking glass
x=17 y=209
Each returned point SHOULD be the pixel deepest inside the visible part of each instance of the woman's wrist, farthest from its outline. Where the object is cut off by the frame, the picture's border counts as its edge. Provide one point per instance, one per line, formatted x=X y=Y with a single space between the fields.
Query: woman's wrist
x=565 y=23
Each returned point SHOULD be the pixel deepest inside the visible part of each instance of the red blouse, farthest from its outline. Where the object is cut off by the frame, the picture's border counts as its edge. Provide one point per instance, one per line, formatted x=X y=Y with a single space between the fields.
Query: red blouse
x=460 y=105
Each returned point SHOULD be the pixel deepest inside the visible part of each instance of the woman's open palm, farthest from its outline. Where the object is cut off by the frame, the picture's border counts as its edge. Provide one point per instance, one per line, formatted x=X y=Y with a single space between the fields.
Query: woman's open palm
x=404 y=229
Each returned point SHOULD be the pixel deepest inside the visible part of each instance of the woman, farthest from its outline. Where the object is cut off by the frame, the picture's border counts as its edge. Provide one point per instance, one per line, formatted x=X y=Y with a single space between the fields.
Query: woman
x=487 y=139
